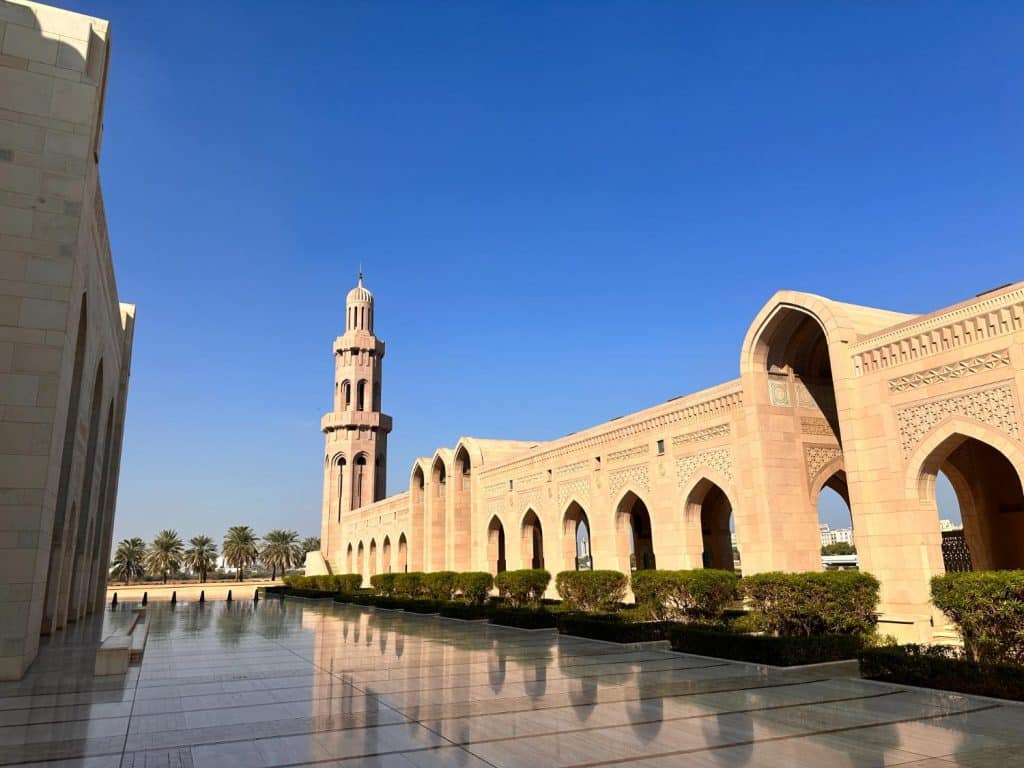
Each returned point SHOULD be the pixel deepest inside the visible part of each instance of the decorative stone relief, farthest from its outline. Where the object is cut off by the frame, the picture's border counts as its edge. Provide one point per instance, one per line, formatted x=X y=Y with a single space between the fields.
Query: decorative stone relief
x=958 y=370
x=804 y=398
x=494 y=507
x=811 y=425
x=718 y=459
x=618 y=456
x=993 y=406
x=778 y=392
x=702 y=435
x=579 y=488
x=571 y=469
x=495 y=490
x=817 y=456
x=635 y=475
x=531 y=498
x=532 y=479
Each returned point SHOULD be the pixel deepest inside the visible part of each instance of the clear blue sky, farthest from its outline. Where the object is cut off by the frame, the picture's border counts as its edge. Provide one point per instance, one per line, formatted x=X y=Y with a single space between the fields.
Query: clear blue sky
x=567 y=211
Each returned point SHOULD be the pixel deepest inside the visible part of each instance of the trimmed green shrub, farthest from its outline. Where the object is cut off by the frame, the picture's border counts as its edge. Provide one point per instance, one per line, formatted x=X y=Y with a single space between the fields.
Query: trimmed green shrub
x=698 y=595
x=409 y=584
x=988 y=609
x=474 y=586
x=384 y=583
x=467 y=611
x=941 y=667
x=591 y=590
x=524 y=618
x=345 y=583
x=817 y=603
x=612 y=627
x=523 y=588
x=711 y=640
x=439 y=585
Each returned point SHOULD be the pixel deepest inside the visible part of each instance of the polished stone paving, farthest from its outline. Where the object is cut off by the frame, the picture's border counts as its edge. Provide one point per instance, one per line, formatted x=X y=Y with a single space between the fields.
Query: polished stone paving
x=313 y=683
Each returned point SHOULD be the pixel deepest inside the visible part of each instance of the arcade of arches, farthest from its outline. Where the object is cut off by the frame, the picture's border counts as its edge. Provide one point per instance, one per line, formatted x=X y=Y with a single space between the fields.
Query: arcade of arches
x=862 y=405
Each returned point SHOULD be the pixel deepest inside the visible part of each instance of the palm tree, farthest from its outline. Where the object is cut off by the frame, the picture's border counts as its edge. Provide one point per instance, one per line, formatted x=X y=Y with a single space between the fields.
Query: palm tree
x=164 y=553
x=129 y=560
x=311 y=544
x=201 y=556
x=240 y=548
x=281 y=550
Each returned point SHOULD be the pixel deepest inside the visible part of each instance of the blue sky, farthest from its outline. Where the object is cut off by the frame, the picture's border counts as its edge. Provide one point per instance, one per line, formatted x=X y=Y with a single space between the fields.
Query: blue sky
x=567 y=211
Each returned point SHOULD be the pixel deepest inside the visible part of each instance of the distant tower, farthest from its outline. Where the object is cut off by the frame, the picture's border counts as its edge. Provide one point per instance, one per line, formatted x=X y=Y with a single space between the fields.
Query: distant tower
x=356 y=432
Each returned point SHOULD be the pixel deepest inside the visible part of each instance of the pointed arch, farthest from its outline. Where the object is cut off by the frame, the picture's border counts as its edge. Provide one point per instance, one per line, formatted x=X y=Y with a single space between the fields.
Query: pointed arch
x=634 y=535
x=418 y=513
x=360 y=559
x=531 y=540
x=462 y=506
x=360 y=481
x=348 y=559
x=385 y=555
x=372 y=560
x=708 y=512
x=403 y=554
x=437 y=509
x=576 y=550
x=496 y=556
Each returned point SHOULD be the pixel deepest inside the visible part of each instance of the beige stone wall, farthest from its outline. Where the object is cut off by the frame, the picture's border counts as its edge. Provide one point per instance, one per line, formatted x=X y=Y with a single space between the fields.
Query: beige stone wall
x=65 y=340
x=869 y=402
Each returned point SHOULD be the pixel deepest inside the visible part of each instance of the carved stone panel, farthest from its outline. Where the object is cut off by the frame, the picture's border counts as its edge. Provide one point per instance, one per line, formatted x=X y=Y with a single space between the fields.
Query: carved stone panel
x=993 y=406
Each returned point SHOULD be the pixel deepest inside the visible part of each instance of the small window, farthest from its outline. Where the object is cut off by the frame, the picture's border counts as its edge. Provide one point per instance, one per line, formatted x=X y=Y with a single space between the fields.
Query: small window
x=549 y=475
x=510 y=485
x=597 y=463
x=661 y=447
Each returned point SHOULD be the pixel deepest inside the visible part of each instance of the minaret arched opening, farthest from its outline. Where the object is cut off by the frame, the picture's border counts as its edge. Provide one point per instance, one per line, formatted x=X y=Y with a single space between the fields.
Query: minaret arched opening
x=463 y=505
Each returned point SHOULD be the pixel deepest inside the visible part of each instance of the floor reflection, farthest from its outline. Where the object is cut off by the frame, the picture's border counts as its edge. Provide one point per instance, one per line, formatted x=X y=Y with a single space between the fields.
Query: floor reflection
x=317 y=683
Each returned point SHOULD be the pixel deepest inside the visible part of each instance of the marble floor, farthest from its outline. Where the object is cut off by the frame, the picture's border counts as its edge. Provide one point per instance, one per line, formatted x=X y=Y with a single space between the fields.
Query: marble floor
x=313 y=683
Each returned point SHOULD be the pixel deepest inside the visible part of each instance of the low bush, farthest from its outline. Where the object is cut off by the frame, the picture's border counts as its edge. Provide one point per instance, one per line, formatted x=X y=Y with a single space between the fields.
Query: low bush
x=383 y=583
x=409 y=584
x=716 y=641
x=524 y=618
x=467 y=611
x=612 y=627
x=698 y=595
x=941 y=667
x=988 y=609
x=474 y=586
x=439 y=585
x=343 y=583
x=817 y=603
x=523 y=588
x=591 y=590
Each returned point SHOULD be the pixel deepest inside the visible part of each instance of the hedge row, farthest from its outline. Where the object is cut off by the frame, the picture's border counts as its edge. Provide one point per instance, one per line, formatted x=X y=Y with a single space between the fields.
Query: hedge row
x=698 y=595
x=523 y=588
x=597 y=591
x=941 y=667
x=473 y=586
x=784 y=651
x=343 y=583
x=811 y=604
x=988 y=609
x=613 y=628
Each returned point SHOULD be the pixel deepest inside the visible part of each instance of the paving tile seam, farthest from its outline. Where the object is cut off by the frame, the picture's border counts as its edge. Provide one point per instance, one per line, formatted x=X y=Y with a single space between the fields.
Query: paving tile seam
x=786 y=737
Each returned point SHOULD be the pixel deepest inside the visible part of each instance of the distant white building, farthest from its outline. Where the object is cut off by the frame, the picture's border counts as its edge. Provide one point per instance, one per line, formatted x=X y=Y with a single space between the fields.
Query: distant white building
x=949 y=525
x=835 y=535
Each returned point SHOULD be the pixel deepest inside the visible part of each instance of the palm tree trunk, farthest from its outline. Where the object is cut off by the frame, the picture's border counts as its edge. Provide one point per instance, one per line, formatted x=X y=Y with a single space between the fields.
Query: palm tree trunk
x=273 y=572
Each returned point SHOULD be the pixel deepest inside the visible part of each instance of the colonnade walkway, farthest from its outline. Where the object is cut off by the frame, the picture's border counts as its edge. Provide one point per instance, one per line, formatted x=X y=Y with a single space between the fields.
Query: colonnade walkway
x=298 y=683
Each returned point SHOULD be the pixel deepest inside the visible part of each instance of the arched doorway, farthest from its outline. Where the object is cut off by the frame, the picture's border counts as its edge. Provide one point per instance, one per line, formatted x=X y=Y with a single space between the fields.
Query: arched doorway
x=438 y=512
x=372 y=565
x=348 y=559
x=835 y=522
x=576 y=539
x=359 y=559
x=987 y=486
x=403 y=554
x=417 y=492
x=709 y=506
x=634 y=537
x=532 y=541
x=496 y=546
x=462 y=505
x=385 y=555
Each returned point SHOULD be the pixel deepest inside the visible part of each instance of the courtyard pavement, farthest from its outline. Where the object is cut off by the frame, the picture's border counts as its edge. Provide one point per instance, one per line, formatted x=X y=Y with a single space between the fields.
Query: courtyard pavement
x=314 y=683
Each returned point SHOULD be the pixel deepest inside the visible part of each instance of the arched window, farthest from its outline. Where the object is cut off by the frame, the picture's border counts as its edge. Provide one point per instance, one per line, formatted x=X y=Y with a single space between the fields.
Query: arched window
x=346 y=393
x=359 y=472
x=361 y=395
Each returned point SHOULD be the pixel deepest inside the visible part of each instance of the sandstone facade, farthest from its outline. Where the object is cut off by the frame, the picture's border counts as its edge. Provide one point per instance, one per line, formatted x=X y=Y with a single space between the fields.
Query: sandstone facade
x=65 y=339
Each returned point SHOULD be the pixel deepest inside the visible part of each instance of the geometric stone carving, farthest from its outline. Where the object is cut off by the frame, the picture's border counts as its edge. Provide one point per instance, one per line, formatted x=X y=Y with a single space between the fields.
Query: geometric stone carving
x=530 y=498
x=719 y=459
x=702 y=435
x=993 y=406
x=804 y=398
x=778 y=391
x=496 y=489
x=571 y=469
x=811 y=425
x=817 y=456
x=627 y=453
x=637 y=475
x=579 y=488
x=959 y=370
x=527 y=480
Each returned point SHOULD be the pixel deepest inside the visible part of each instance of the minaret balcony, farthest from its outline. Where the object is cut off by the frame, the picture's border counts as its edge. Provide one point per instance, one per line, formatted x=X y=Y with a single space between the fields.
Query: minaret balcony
x=355 y=420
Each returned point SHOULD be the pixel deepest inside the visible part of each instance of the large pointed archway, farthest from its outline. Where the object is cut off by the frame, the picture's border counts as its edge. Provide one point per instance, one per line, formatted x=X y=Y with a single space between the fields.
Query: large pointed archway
x=709 y=515
x=496 y=560
x=532 y=542
x=634 y=537
x=576 y=552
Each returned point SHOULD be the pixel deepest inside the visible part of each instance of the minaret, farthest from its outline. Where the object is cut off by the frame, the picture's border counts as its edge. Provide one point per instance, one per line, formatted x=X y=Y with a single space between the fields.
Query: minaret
x=356 y=432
